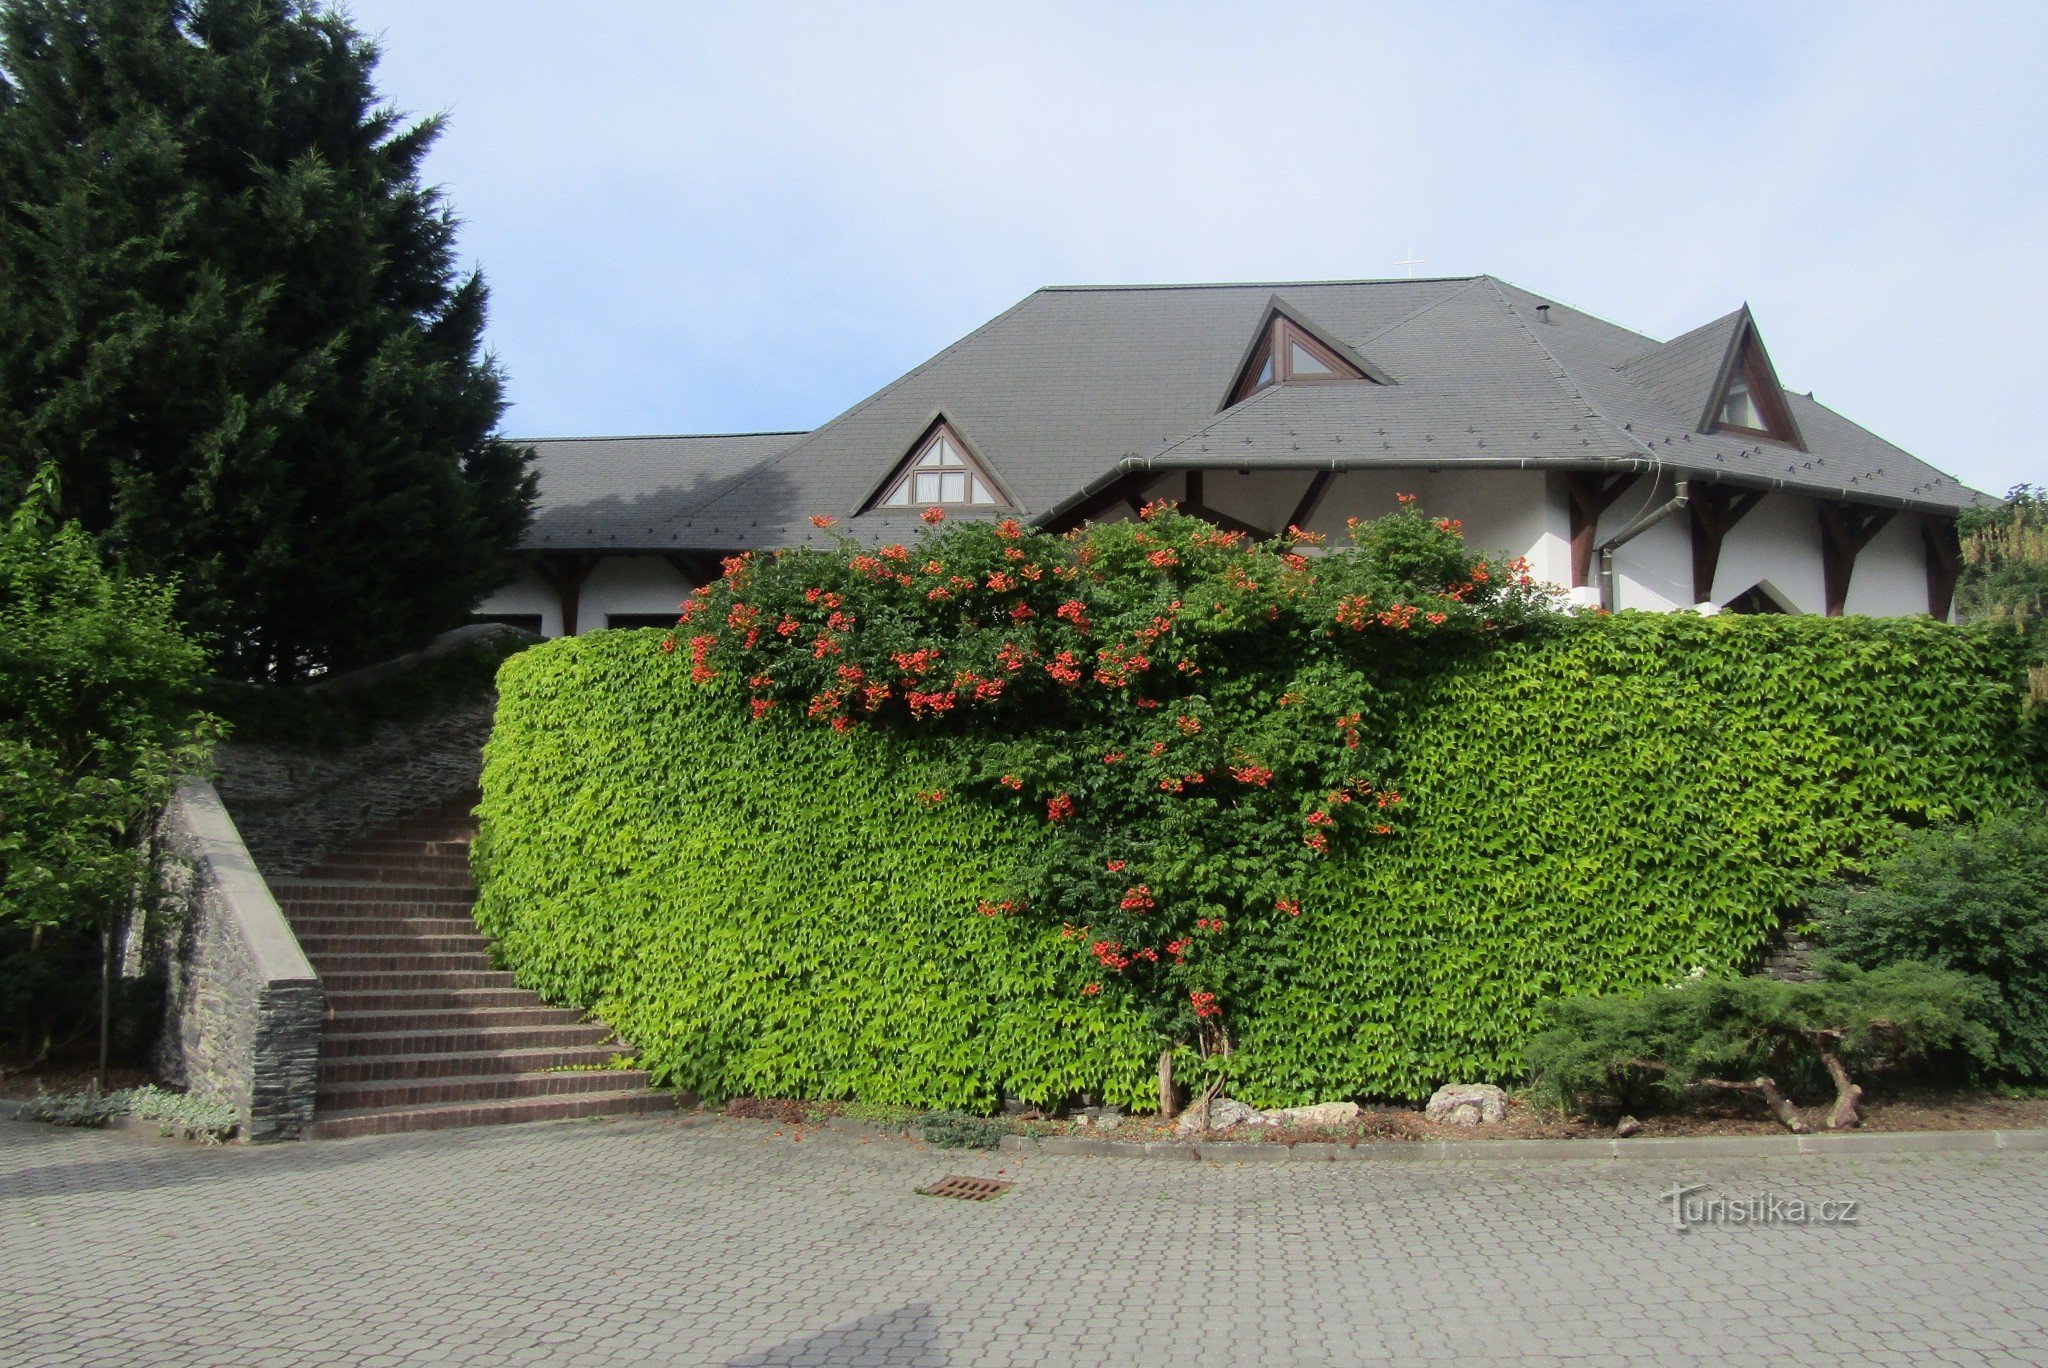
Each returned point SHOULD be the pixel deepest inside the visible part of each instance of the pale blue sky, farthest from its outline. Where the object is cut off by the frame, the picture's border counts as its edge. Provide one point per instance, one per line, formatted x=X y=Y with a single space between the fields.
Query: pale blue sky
x=720 y=217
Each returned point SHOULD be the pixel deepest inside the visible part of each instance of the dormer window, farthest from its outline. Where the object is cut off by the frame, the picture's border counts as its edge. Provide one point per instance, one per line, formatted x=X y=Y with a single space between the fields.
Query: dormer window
x=1753 y=403
x=1288 y=354
x=940 y=472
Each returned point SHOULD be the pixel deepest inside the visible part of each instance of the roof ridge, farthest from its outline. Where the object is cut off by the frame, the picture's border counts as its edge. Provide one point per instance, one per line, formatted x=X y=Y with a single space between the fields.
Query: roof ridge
x=1564 y=372
x=779 y=457
x=1257 y=284
x=1405 y=320
x=666 y=436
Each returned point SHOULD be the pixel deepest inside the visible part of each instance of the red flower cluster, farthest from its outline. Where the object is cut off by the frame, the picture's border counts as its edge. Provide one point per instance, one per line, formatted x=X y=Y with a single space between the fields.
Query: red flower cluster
x=1188 y=725
x=1009 y=529
x=1138 y=899
x=1110 y=955
x=931 y=797
x=1205 y=1004
x=1115 y=866
x=822 y=520
x=933 y=516
x=1075 y=614
x=761 y=707
x=1059 y=808
x=993 y=909
x=1209 y=924
x=1289 y=906
x=1090 y=989
x=1011 y=782
x=1065 y=669
x=1163 y=558
x=1250 y=773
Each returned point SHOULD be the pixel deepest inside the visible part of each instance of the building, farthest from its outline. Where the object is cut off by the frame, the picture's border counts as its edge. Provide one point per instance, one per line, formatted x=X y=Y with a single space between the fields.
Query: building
x=1640 y=474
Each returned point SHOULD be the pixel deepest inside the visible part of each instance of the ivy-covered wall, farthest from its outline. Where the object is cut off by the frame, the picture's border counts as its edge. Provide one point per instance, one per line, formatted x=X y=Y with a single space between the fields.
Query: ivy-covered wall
x=772 y=908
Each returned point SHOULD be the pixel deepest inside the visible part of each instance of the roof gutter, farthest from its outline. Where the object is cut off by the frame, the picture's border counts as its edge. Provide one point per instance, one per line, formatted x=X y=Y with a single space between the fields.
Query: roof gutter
x=1144 y=465
x=1609 y=590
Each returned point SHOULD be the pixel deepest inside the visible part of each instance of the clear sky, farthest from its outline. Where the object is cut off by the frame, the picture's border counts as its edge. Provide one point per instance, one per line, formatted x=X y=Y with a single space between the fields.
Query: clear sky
x=707 y=217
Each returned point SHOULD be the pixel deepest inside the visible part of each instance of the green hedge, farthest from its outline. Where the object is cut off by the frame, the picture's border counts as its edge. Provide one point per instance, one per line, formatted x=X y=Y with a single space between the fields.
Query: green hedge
x=769 y=908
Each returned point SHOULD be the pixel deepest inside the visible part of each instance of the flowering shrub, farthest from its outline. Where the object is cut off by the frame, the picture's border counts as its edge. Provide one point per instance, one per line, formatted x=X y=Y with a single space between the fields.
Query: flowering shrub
x=1195 y=719
x=770 y=908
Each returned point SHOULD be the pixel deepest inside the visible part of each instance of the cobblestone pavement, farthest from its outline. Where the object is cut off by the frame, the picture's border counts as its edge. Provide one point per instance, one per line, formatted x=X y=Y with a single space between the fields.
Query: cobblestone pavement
x=726 y=1242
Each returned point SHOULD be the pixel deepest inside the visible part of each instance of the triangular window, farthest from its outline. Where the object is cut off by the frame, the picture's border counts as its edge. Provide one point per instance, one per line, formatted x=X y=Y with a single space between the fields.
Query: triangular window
x=940 y=473
x=1288 y=353
x=1752 y=403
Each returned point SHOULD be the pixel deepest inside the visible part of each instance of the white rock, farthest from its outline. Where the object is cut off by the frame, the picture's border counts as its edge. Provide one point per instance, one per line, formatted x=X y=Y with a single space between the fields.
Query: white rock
x=1468 y=1104
x=1321 y=1114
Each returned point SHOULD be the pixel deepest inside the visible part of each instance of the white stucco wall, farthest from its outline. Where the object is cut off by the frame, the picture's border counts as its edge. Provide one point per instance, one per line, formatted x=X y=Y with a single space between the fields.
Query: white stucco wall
x=630 y=584
x=1891 y=574
x=616 y=584
x=526 y=594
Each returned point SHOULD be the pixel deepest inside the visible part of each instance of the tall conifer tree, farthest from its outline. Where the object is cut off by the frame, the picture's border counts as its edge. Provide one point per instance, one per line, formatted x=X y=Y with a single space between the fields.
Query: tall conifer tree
x=231 y=316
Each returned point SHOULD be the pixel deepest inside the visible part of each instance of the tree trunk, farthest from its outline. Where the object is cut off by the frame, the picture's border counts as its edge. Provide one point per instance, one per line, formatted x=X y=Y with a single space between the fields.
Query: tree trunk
x=1781 y=1106
x=1766 y=1088
x=1167 y=1100
x=1848 y=1093
x=106 y=999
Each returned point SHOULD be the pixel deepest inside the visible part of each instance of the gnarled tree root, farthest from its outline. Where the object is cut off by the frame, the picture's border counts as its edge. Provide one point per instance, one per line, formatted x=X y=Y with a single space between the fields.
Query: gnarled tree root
x=1766 y=1088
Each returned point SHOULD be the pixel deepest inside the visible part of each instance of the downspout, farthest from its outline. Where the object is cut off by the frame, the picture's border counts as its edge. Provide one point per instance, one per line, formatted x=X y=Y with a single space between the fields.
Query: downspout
x=1681 y=495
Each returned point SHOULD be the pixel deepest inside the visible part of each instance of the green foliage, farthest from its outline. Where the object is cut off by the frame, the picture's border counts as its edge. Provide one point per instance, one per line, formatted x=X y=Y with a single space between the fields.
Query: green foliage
x=180 y=1115
x=334 y=716
x=1630 y=1051
x=1192 y=719
x=2005 y=572
x=232 y=314
x=770 y=909
x=1969 y=898
x=97 y=722
x=957 y=1130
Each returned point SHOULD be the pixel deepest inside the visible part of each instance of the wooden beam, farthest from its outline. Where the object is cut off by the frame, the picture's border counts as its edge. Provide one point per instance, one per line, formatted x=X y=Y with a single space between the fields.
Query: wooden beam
x=1125 y=490
x=1944 y=564
x=1715 y=510
x=1589 y=494
x=1193 y=492
x=1845 y=529
x=699 y=568
x=1311 y=499
x=1225 y=521
x=564 y=573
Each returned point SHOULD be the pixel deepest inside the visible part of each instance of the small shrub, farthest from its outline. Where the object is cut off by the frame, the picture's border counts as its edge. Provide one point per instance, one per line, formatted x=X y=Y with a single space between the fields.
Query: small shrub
x=207 y=1120
x=1746 y=1034
x=88 y=1108
x=957 y=1130
x=1969 y=898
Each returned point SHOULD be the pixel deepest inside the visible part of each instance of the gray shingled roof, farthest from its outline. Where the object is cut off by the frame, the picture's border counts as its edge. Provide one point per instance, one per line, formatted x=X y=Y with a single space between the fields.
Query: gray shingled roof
x=1076 y=385
x=623 y=493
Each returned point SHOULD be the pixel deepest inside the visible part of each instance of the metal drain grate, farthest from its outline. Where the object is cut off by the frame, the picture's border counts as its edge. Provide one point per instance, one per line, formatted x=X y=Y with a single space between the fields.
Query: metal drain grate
x=966 y=1189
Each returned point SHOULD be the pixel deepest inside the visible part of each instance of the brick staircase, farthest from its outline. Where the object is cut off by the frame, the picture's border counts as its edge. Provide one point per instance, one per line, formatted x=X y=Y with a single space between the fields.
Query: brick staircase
x=421 y=1031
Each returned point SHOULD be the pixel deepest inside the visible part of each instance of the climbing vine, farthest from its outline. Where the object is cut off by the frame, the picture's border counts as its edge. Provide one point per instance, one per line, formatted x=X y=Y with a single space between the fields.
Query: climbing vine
x=1195 y=719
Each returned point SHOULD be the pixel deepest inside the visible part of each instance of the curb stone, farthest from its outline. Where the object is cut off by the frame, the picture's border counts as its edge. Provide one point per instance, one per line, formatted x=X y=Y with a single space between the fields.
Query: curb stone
x=1673 y=1147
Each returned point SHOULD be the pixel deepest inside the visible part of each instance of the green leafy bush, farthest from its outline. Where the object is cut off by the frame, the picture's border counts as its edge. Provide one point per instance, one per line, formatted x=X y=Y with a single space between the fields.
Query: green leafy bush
x=1969 y=898
x=97 y=722
x=772 y=907
x=180 y=1115
x=1748 y=1034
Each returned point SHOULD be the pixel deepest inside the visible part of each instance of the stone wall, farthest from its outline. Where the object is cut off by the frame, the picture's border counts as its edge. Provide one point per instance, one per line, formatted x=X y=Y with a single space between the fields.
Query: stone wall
x=243 y=1006
x=293 y=805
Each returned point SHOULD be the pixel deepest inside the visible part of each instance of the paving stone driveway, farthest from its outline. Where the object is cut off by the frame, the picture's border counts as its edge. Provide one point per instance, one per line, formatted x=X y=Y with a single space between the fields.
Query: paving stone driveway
x=720 y=1242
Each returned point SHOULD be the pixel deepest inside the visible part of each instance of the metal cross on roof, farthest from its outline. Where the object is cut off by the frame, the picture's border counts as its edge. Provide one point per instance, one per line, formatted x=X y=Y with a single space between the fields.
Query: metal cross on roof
x=1411 y=261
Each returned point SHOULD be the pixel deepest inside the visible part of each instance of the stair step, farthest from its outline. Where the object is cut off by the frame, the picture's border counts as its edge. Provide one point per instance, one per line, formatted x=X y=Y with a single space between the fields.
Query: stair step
x=472 y=961
x=427 y=999
x=461 y=1039
x=309 y=927
x=378 y=979
x=390 y=1120
x=449 y=876
x=463 y=943
x=410 y=845
x=458 y=1064
x=437 y=1092
x=531 y=1013
x=291 y=893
